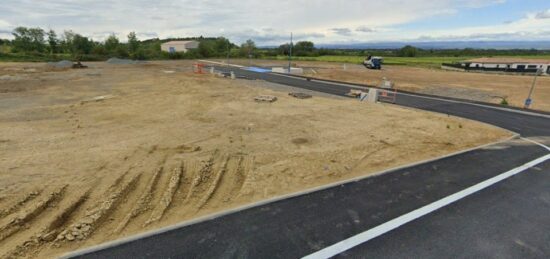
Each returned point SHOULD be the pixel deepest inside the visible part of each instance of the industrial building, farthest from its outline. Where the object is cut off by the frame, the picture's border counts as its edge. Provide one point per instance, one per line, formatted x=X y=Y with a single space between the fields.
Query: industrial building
x=512 y=65
x=179 y=46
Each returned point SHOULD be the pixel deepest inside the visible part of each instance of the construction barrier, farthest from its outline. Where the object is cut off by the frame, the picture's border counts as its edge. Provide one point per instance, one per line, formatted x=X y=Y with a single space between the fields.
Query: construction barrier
x=198 y=68
x=387 y=95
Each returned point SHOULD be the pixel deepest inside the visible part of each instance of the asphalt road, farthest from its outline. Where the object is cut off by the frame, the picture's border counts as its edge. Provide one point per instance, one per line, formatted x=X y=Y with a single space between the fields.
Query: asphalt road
x=501 y=222
x=508 y=219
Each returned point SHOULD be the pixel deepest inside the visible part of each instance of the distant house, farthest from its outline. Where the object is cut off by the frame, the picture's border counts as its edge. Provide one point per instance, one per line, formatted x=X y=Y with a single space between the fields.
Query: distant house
x=179 y=46
x=513 y=65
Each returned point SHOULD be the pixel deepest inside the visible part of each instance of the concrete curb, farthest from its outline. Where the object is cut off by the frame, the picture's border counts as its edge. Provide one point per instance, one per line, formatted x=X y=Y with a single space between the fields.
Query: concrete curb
x=125 y=240
x=221 y=64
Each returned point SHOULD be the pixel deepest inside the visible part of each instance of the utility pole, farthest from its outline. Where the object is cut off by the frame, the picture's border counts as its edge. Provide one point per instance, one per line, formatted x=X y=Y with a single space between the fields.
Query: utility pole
x=290 y=54
x=228 y=52
x=529 y=101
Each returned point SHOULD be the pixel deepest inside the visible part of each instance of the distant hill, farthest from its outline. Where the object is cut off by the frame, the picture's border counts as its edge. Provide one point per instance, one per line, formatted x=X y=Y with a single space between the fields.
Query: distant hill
x=541 y=45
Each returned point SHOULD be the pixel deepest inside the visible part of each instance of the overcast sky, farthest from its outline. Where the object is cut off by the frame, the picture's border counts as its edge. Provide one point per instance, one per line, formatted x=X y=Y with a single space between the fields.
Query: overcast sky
x=269 y=22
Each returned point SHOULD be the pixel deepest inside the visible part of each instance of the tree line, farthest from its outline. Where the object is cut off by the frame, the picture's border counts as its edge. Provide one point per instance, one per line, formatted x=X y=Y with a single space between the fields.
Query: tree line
x=308 y=49
x=38 y=42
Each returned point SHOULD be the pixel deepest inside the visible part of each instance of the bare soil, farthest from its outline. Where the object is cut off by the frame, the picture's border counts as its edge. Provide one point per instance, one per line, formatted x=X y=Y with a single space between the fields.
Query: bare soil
x=92 y=155
x=465 y=85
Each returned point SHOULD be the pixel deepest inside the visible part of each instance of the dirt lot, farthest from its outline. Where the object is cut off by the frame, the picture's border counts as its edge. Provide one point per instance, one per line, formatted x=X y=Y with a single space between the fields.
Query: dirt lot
x=91 y=155
x=472 y=86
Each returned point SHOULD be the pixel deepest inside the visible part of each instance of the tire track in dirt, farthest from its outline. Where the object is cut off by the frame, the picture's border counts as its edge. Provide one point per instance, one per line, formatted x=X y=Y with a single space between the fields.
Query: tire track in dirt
x=144 y=202
x=214 y=183
x=203 y=175
x=168 y=195
x=245 y=169
x=231 y=181
x=96 y=214
x=17 y=205
x=24 y=218
x=53 y=225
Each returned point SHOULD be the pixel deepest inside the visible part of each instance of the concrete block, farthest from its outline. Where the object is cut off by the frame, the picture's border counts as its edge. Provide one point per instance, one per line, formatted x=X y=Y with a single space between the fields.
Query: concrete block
x=372 y=96
x=284 y=70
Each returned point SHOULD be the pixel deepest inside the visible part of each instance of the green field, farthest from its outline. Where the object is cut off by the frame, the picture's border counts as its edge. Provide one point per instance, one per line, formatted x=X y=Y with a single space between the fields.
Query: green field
x=434 y=62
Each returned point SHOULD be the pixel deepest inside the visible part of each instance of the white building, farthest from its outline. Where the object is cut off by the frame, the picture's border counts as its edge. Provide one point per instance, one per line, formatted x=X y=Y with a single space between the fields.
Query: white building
x=508 y=65
x=179 y=46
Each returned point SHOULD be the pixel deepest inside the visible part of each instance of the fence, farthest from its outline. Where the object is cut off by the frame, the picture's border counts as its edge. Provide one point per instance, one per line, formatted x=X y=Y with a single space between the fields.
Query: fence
x=491 y=69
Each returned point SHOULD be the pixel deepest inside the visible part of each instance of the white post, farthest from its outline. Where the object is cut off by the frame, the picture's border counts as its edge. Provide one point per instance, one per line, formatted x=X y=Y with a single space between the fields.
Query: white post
x=372 y=96
x=232 y=75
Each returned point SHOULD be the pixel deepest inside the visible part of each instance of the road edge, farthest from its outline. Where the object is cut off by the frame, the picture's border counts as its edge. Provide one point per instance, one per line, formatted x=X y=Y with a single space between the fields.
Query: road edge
x=213 y=216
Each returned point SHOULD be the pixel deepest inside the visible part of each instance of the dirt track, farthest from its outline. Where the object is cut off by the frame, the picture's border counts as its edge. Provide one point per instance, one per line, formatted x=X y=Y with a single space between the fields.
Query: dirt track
x=91 y=155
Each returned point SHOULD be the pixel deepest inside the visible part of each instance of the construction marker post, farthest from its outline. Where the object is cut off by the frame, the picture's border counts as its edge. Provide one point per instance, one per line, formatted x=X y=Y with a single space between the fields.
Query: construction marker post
x=529 y=99
x=197 y=68
x=232 y=75
x=388 y=95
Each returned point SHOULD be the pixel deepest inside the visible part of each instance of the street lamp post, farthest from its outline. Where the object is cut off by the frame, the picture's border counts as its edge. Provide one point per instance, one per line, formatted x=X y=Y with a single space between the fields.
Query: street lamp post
x=529 y=101
x=290 y=53
x=228 y=52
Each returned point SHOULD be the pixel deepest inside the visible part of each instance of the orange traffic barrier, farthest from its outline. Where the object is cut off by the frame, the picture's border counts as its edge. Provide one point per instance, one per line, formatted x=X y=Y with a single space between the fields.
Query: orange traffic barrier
x=388 y=95
x=198 y=68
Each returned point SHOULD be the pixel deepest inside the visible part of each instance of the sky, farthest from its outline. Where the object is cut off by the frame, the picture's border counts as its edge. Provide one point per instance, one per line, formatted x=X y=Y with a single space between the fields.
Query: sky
x=270 y=22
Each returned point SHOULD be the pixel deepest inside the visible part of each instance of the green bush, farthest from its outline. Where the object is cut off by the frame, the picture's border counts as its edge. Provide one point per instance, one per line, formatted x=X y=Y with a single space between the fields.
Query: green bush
x=504 y=102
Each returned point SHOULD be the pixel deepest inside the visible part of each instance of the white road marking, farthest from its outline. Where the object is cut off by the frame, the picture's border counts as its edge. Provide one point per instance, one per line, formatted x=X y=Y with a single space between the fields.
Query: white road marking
x=363 y=237
x=537 y=143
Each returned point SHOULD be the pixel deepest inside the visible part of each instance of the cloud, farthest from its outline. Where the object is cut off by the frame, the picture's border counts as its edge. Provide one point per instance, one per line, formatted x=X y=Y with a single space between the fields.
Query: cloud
x=4 y=23
x=364 y=29
x=543 y=15
x=527 y=28
x=342 y=31
x=479 y=3
x=234 y=19
x=271 y=36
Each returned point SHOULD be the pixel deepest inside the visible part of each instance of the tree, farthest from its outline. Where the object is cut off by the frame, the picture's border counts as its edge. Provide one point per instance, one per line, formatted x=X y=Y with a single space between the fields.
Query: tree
x=304 y=48
x=111 y=44
x=53 y=42
x=99 y=50
x=407 y=51
x=133 y=43
x=207 y=49
x=284 y=49
x=66 y=41
x=28 y=39
x=122 y=52
x=77 y=44
x=248 y=48
x=222 y=46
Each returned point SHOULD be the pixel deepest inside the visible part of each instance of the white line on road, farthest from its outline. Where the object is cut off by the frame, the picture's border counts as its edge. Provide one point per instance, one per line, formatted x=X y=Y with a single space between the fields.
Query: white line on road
x=537 y=143
x=379 y=230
